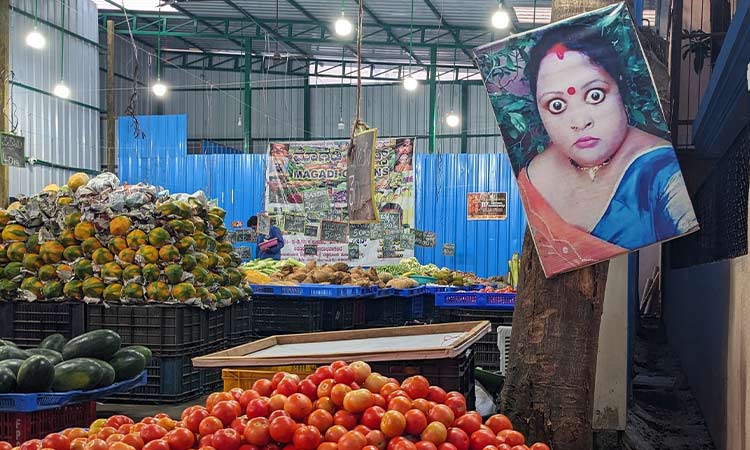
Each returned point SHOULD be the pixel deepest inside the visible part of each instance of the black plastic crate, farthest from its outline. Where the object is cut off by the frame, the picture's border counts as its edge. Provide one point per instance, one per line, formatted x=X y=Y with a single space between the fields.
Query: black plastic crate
x=171 y=379
x=288 y=315
x=451 y=374
x=487 y=353
x=496 y=316
x=211 y=380
x=240 y=323
x=168 y=330
x=389 y=311
x=217 y=326
x=28 y=323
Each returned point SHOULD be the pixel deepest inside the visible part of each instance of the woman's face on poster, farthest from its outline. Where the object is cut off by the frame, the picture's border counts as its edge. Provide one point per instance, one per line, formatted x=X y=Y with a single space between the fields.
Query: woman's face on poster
x=581 y=108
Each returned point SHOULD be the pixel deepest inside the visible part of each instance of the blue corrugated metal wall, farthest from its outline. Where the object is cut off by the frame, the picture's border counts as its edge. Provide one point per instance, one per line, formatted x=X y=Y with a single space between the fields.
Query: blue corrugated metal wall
x=211 y=148
x=238 y=182
x=482 y=246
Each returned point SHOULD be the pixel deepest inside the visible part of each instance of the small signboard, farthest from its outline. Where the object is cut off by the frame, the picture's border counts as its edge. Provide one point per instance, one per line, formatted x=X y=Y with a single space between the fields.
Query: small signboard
x=12 y=150
x=243 y=252
x=353 y=251
x=264 y=224
x=311 y=250
x=449 y=249
x=311 y=230
x=244 y=235
x=391 y=222
x=333 y=231
x=360 y=177
x=316 y=200
x=294 y=223
x=359 y=231
x=407 y=238
x=237 y=224
x=425 y=238
x=486 y=205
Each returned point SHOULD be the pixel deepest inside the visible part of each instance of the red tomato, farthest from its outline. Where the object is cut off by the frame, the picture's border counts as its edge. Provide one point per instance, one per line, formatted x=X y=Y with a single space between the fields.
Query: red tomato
x=320 y=419
x=404 y=444
x=226 y=411
x=469 y=422
x=398 y=393
x=324 y=372
x=371 y=417
x=207 y=441
x=375 y=382
x=335 y=432
x=436 y=394
x=491 y=447
x=344 y=375
x=120 y=446
x=376 y=438
x=125 y=428
x=153 y=431
x=498 y=423
x=422 y=405
x=416 y=386
x=287 y=386
x=239 y=424
x=276 y=379
x=106 y=432
x=358 y=401
x=193 y=420
x=481 y=439
x=519 y=447
x=362 y=370
x=458 y=438
x=435 y=432
x=246 y=397
x=181 y=438
x=353 y=440
x=209 y=425
x=393 y=424
x=248 y=447
x=309 y=389
x=338 y=392
x=400 y=404
x=368 y=447
x=56 y=441
x=306 y=438
x=325 y=403
x=213 y=399
x=425 y=445
x=457 y=405
x=298 y=406
x=379 y=400
x=257 y=431
x=337 y=365
x=388 y=389
x=278 y=413
x=5 y=445
x=511 y=437
x=416 y=421
x=117 y=420
x=237 y=393
x=446 y=446
x=94 y=444
x=263 y=387
x=227 y=439
x=504 y=447
x=206 y=447
x=257 y=407
x=362 y=429
x=325 y=387
x=281 y=429
x=157 y=444
x=117 y=437
x=277 y=402
x=134 y=440
x=443 y=414
x=345 y=418
x=328 y=446
x=539 y=446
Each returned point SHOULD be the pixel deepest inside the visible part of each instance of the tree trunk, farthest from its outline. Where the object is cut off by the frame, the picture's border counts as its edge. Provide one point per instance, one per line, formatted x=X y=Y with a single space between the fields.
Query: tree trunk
x=549 y=386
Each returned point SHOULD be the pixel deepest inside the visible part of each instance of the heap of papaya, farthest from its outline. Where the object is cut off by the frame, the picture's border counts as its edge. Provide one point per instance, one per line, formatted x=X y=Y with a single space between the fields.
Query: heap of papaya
x=101 y=241
x=92 y=360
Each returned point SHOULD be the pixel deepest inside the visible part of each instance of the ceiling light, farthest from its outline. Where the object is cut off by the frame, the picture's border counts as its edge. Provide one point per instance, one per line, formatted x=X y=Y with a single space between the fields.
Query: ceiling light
x=452 y=120
x=410 y=83
x=342 y=26
x=501 y=19
x=35 y=39
x=341 y=124
x=159 y=88
x=61 y=90
x=239 y=120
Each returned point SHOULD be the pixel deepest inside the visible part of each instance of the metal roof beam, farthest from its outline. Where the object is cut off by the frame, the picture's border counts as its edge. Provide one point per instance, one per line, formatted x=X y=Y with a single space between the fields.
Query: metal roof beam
x=309 y=15
x=445 y=24
x=387 y=29
x=192 y=16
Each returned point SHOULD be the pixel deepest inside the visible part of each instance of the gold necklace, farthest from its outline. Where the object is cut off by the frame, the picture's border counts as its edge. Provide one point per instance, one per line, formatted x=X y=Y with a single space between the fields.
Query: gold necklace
x=591 y=170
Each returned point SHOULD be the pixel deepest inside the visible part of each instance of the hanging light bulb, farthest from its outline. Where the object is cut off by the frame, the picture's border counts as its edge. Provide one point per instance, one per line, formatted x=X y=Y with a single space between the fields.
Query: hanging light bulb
x=341 y=124
x=159 y=89
x=342 y=26
x=452 y=120
x=410 y=83
x=239 y=120
x=61 y=90
x=35 y=39
x=501 y=18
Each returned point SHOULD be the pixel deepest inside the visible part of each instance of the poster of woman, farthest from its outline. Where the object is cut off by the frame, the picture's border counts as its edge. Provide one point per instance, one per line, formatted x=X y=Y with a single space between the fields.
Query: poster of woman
x=587 y=139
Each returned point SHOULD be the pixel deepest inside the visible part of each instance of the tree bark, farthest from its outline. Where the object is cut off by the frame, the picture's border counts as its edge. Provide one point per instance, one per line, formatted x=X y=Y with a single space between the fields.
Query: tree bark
x=549 y=386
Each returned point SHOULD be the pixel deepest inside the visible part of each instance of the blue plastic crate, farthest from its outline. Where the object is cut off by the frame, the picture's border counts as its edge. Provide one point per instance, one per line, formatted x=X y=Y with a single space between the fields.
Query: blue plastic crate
x=387 y=292
x=48 y=400
x=484 y=300
x=433 y=289
x=408 y=292
x=311 y=290
x=417 y=307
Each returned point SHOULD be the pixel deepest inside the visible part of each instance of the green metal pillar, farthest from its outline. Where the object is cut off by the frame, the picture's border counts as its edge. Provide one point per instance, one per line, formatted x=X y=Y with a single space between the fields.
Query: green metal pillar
x=246 y=111
x=433 y=99
x=306 y=107
x=464 y=117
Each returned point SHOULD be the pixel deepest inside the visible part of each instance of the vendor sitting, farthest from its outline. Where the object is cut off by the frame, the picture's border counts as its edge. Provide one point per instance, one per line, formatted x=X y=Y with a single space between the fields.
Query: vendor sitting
x=264 y=251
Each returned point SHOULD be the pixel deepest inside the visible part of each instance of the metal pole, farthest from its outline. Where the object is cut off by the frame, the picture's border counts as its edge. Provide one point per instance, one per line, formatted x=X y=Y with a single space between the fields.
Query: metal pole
x=246 y=111
x=464 y=117
x=433 y=99
x=675 y=68
x=111 y=147
x=306 y=119
x=4 y=91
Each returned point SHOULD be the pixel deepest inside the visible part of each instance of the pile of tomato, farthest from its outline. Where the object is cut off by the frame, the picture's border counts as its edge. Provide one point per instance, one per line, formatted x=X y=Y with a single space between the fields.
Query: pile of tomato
x=339 y=407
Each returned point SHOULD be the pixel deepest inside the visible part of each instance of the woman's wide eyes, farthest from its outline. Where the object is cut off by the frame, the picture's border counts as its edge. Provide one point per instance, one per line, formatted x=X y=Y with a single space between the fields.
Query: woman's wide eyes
x=595 y=96
x=556 y=106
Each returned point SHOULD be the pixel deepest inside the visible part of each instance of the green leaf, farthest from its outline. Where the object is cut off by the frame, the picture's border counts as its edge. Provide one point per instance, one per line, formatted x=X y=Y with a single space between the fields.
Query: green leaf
x=515 y=106
x=638 y=117
x=518 y=121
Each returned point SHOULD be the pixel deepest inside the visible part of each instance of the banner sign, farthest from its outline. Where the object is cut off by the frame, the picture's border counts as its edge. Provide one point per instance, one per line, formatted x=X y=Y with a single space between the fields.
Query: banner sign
x=360 y=170
x=586 y=136
x=309 y=179
x=486 y=205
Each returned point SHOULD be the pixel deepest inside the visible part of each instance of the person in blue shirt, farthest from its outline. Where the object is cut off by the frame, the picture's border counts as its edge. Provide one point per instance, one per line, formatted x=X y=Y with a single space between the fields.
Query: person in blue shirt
x=272 y=252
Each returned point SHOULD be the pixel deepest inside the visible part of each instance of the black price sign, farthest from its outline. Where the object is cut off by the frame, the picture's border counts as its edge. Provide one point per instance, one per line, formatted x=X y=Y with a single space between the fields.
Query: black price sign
x=243 y=252
x=449 y=249
x=391 y=222
x=316 y=200
x=294 y=223
x=311 y=230
x=353 y=251
x=333 y=231
x=264 y=224
x=425 y=238
x=359 y=231
x=311 y=250
x=244 y=235
x=12 y=150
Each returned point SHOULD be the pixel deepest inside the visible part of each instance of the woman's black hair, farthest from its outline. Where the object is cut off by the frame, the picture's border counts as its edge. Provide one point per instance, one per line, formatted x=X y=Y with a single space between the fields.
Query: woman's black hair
x=252 y=221
x=582 y=39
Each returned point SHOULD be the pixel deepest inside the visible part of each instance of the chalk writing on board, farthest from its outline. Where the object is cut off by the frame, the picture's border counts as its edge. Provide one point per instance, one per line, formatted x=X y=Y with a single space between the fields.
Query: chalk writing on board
x=12 y=149
x=391 y=222
x=294 y=223
x=316 y=200
x=353 y=251
x=449 y=249
x=425 y=238
x=264 y=224
x=333 y=231
x=310 y=250
x=311 y=230
x=359 y=231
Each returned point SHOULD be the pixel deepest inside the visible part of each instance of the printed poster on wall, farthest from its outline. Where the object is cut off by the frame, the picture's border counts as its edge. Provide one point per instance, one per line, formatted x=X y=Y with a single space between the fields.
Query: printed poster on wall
x=308 y=181
x=487 y=205
x=587 y=139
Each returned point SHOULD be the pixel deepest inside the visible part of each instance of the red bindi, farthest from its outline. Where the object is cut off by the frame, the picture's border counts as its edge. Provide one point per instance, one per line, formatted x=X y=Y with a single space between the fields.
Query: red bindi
x=571 y=90
x=559 y=50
